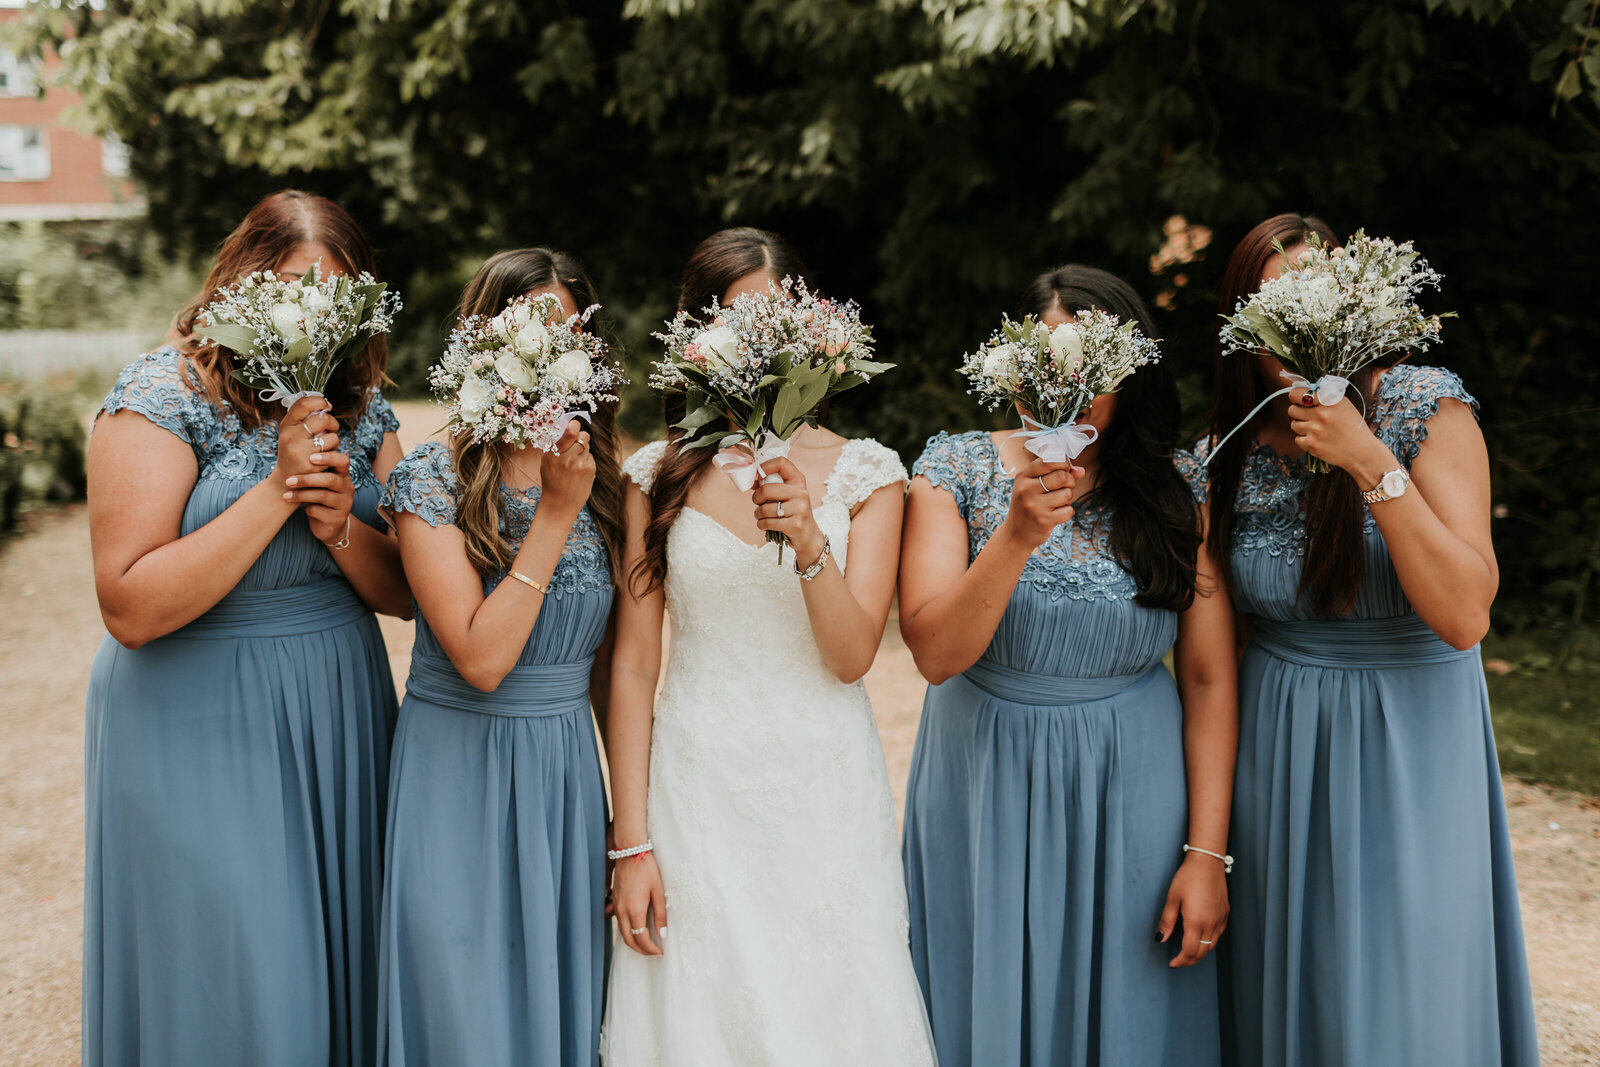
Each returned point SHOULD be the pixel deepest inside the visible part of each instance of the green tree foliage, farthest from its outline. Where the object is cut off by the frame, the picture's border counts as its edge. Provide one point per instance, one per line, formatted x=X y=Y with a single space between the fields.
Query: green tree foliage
x=928 y=157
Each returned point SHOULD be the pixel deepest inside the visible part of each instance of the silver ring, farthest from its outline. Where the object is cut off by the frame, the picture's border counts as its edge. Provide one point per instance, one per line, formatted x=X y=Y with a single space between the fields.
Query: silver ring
x=306 y=428
x=1202 y=940
x=780 y=509
x=1040 y=477
x=636 y=931
x=318 y=442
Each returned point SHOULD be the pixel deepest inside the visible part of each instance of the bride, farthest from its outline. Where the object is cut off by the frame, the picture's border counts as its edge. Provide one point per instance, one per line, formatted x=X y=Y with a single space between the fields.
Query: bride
x=758 y=777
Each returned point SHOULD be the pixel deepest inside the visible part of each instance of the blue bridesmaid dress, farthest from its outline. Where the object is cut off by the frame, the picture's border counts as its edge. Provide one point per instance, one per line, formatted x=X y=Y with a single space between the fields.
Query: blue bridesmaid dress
x=1374 y=905
x=494 y=946
x=1047 y=811
x=235 y=777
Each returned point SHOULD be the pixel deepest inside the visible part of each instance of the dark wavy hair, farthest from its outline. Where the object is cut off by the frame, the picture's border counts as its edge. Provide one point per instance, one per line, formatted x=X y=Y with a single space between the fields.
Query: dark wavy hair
x=479 y=466
x=1155 y=526
x=717 y=262
x=1335 y=562
x=272 y=230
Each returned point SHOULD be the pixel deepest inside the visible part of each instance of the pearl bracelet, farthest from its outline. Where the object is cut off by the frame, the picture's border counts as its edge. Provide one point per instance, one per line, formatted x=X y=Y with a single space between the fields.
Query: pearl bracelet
x=1227 y=861
x=624 y=853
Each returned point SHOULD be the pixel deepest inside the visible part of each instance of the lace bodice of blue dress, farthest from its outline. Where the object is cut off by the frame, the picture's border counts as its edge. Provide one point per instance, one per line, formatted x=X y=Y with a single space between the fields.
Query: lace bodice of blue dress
x=1072 y=613
x=163 y=388
x=424 y=483
x=1269 y=525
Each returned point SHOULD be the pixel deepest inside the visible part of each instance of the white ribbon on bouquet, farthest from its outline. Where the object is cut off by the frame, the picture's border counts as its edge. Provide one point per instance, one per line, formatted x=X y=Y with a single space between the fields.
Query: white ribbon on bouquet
x=1329 y=390
x=743 y=461
x=1056 y=444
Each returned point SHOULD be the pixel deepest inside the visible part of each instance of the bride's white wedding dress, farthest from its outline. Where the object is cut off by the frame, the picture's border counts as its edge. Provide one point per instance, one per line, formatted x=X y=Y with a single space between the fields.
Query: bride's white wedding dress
x=773 y=824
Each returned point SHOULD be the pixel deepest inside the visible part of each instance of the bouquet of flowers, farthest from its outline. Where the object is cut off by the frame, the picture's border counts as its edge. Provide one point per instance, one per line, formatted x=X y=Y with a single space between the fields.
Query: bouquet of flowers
x=520 y=376
x=291 y=333
x=765 y=364
x=1054 y=374
x=1333 y=313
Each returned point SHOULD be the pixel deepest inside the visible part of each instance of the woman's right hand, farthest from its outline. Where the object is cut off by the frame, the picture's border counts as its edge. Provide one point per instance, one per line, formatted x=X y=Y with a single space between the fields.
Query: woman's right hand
x=567 y=473
x=1041 y=500
x=297 y=438
x=640 y=901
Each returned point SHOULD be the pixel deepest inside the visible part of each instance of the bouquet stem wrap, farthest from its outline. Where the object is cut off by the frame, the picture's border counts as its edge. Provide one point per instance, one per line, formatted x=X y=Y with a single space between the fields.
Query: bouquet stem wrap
x=742 y=463
x=1056 y=444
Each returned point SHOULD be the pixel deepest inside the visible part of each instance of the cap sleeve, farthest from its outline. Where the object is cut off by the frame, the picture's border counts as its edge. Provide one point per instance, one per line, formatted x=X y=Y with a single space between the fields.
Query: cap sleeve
x=1408 y=399
x=864 y=466
x=641 y=466
x=153 y=386
x=424 y=483
x=946 y=462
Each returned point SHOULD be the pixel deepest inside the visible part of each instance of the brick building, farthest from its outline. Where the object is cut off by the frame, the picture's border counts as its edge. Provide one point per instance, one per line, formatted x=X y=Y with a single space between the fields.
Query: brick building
x=47 y=169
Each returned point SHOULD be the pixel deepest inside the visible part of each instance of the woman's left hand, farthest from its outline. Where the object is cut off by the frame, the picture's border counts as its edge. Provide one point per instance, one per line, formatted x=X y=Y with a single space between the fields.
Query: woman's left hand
x=1338 y=435
x=793 y=500
x=1199 y=893
x=326 y=495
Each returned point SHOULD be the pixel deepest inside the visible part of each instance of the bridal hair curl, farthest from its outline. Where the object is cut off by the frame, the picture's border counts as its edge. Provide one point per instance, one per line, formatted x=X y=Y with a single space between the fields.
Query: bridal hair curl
x=717 y=262
x=480 y=466
x=272 y=230
x=1155 y=526
x=1335 y=562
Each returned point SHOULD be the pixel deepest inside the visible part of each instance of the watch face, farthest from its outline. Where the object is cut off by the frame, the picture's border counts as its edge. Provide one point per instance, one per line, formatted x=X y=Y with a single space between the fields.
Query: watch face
x=1394 y=483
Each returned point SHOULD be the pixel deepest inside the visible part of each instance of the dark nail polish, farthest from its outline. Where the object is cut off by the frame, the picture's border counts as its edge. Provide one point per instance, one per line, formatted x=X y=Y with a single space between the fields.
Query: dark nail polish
x=1158 y=937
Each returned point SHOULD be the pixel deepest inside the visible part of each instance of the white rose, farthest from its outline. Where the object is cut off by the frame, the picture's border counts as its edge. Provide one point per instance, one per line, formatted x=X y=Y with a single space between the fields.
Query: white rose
x=572 y=367
x=286 y=320
x=720 y=347
x=1000 y=364
x=314 y=300
x=476 y=397
x=516 y=315
x=1066 y=344
x=515 y=373
x=531 y=338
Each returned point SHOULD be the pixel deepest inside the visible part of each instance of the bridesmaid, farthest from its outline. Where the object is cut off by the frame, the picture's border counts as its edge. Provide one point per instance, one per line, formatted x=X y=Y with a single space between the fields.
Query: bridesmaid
x=1376 y=918
x=239 y=713
x=494 y=906
x=1059 y=771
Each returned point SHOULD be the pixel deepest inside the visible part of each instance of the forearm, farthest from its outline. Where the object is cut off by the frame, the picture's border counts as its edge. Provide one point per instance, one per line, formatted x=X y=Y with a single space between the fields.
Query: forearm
x=371 y=564
x=1210 y=748
x=846 y=634
x=171 y=586
x=951 y=631
x=500 y=627
x=628 y=753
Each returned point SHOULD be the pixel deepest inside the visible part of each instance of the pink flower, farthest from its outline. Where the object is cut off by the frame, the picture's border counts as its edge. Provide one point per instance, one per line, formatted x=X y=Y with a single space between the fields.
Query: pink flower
x=838 y=367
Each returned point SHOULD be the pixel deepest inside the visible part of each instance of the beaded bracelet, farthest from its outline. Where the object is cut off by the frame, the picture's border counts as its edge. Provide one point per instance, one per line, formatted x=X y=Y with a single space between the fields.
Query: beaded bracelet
x=624 y=853
x=1227 y=861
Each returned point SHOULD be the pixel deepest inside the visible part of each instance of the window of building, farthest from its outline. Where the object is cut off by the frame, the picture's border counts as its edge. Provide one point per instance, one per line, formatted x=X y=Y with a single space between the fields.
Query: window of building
x=24 y=154
x=16 y=76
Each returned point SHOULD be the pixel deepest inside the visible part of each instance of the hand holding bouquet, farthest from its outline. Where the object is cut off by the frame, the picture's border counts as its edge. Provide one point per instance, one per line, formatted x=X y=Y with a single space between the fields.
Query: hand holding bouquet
x=291 y=333
x=1334 y=312
x=1053 y=375
x=766 y=363
x=519 y=377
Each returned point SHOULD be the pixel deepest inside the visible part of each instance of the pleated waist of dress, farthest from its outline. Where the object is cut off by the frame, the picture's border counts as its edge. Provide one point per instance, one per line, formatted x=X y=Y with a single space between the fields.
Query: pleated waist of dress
x=1049 y=690
x=526 y=691
x=1355 y=644
x=292 y=611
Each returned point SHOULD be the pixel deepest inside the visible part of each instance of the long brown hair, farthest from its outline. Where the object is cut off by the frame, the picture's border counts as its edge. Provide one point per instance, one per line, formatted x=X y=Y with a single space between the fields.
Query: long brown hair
x=1155 y=527
x=271 y=232
x=717 y=262
x=1334 y=553
x=480 y=466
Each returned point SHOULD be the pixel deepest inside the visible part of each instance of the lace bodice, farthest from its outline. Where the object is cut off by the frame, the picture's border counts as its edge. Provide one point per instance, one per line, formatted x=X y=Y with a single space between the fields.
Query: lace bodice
x=1268 y=511
x=167 y=391
x=424 y=483
x=1076 y=562
x=164 y=389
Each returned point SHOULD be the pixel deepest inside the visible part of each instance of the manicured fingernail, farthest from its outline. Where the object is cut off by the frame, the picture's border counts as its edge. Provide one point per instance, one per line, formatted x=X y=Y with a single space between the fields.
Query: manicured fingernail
x=288 y=496
x=663 y=932
x=1158 y=937
x=316 y=457
x=293 y=481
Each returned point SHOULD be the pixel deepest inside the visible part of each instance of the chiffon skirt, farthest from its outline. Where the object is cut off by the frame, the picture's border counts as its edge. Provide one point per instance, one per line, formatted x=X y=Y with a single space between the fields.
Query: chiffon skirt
x=1045 y=818
x=494 y=947
x=1375 y=917
x=235 y=777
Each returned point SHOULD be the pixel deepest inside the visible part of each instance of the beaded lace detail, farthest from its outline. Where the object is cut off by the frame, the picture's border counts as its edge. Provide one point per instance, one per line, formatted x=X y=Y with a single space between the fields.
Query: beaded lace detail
x=1076 y=562
x=424 y=483
x=1268 y=510
x=168 y=392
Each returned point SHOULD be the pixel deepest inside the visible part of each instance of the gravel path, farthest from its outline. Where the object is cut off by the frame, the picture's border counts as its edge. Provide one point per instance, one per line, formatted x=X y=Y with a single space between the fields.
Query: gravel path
x=50 y=628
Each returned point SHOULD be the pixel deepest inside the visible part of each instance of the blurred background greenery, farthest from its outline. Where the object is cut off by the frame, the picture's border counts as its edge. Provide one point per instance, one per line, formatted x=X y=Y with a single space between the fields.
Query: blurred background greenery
x=927 y=157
